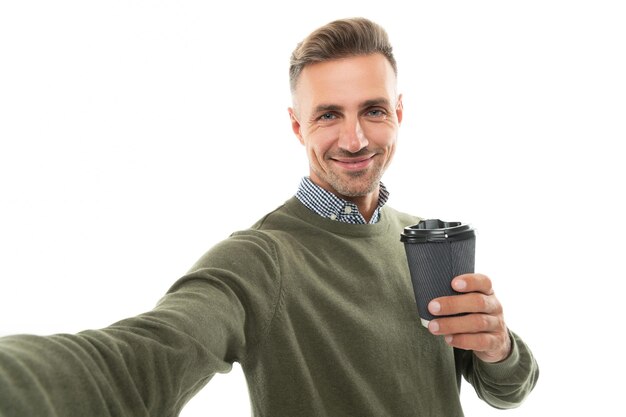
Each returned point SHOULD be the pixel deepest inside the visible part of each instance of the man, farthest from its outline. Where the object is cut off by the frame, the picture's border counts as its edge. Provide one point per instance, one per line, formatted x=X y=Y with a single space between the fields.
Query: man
x=314 y=300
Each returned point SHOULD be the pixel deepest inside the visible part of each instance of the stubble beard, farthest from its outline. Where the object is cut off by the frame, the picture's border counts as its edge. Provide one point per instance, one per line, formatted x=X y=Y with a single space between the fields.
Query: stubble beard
x=355 y=184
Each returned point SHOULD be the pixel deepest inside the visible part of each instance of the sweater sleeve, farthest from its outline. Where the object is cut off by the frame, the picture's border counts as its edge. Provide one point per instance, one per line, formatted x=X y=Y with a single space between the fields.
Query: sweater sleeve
x=151 y=364
x=503 y=384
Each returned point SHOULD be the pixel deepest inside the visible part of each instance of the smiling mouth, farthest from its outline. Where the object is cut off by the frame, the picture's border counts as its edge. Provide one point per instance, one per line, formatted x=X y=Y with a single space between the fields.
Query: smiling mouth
x=354 y=163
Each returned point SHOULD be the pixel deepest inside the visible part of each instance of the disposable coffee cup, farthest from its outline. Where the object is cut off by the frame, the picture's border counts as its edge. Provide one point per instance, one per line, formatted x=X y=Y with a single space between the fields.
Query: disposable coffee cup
x=437 y=251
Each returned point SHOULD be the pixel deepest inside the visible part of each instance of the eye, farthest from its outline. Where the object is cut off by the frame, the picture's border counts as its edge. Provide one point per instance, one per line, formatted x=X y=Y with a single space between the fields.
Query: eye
x=376 y=113
x=327 y=116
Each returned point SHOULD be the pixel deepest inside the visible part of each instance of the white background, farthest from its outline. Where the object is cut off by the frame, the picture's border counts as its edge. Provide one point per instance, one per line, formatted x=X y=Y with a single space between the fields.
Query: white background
x=136 y=134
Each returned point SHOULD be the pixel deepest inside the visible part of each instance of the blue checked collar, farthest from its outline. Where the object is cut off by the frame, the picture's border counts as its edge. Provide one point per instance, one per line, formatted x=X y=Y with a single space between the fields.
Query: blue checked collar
x=328 y=205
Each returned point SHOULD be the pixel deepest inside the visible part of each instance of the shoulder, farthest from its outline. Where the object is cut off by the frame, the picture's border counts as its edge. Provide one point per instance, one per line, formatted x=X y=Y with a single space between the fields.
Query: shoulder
x=257 y=244
x=283 y=217
x=398 y=218
x=241 y=249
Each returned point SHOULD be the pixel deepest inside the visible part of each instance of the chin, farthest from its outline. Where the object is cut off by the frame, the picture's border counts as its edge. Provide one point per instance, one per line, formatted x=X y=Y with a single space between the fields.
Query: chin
x=356 y=191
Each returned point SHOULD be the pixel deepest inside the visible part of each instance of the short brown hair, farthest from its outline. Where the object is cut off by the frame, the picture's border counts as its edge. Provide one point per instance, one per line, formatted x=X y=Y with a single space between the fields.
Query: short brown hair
x=340 y=39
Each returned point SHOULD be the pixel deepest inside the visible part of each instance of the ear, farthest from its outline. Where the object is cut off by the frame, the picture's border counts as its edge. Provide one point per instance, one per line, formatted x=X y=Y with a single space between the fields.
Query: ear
x=399 y=109
x=295 y=124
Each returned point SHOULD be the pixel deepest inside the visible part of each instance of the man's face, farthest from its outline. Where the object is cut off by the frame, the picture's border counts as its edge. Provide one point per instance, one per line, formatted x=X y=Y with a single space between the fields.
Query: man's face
x=347 y=116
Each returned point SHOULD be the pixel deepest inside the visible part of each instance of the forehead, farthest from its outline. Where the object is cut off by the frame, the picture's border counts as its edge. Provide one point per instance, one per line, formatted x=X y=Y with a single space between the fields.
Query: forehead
x=346 y=82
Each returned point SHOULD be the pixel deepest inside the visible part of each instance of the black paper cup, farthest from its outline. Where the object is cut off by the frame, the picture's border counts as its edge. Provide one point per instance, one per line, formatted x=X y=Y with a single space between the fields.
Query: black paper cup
x=437 y=251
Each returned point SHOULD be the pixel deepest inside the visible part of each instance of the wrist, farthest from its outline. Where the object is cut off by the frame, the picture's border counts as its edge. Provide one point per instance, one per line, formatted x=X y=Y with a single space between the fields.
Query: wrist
x=498 y=355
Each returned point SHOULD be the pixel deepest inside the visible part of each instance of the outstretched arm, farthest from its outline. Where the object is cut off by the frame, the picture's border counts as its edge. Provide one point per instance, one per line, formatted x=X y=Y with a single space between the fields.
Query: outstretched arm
x=153 y=363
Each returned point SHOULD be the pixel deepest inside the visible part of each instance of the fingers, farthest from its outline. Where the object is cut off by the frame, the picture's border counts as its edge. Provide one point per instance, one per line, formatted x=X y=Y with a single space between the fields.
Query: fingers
x=484 y=334
x=471 y=323
x=477 y=342
x=488 y=347
x=478 y=298
x=473 y=283
x=482 y=328
x=473 y=302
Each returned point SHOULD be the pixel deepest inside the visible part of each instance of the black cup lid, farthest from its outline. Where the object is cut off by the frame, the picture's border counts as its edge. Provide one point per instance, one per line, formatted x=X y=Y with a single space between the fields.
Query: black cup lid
x=435 y=230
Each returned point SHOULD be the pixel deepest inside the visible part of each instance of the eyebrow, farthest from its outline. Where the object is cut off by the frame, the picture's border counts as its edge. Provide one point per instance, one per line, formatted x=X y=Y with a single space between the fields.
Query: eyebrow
x=327 y=107
x=376 y=102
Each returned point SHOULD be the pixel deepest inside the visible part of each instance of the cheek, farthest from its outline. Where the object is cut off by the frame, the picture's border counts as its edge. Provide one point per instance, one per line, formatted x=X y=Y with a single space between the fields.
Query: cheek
x=314 y=153
x=392 y=151
x=320 y=142
x=382 y=136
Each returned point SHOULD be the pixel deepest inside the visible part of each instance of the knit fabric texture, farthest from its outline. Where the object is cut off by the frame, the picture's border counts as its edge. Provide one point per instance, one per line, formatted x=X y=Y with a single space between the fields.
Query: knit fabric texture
x=320 y=314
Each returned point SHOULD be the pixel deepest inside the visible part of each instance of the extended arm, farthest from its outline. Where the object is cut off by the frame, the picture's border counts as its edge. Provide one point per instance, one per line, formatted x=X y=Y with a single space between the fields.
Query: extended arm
x=153 y=363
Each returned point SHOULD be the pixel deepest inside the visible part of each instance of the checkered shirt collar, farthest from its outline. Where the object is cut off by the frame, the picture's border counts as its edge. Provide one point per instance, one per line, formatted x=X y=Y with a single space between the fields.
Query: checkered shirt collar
x=330 y=206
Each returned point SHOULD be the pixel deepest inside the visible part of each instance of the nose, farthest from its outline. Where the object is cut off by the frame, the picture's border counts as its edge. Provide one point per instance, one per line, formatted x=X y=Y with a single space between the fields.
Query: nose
x=351 y=136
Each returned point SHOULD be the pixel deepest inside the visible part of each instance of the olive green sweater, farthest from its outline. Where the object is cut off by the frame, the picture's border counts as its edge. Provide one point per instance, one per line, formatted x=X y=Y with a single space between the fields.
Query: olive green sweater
x=320 y=314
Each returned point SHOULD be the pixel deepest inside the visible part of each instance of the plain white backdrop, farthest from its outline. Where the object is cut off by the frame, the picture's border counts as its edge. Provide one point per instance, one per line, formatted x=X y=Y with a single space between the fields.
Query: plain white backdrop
x=136 y=134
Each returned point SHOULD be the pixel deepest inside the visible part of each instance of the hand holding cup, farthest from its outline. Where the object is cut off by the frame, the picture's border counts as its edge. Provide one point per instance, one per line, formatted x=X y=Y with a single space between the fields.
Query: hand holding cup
x=481 y=327
x=452 y=300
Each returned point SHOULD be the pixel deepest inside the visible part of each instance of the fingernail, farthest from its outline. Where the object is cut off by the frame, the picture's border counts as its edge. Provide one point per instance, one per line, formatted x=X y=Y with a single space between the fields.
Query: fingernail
x=434 y=307
x=448 y=339
x=460 y=284
x=433 y=326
